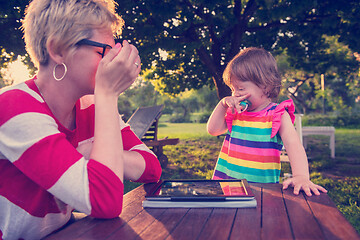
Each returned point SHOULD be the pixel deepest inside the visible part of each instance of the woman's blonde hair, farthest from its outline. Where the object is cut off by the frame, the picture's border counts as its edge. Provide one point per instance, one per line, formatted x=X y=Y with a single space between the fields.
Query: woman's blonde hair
x=65 y=22
x=255 y=65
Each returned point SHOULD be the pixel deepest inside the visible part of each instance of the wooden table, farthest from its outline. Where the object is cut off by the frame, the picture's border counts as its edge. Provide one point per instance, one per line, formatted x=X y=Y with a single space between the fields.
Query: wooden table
x=279 y=215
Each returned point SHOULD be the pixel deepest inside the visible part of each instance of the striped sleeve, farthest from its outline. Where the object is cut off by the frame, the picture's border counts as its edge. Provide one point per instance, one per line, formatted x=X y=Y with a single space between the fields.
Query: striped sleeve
x=31 y=141
x=131 y=142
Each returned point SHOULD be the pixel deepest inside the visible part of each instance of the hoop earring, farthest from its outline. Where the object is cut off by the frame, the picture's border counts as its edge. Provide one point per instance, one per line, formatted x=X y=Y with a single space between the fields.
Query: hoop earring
x=65 y=71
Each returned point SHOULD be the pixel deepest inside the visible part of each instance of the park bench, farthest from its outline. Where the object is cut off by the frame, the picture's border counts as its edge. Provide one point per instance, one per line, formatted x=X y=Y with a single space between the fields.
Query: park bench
x=144 y=122
x=304 y=132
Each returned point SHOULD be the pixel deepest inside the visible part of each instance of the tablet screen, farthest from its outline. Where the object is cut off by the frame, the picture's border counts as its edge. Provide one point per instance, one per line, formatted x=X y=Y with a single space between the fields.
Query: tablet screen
x=202 y=188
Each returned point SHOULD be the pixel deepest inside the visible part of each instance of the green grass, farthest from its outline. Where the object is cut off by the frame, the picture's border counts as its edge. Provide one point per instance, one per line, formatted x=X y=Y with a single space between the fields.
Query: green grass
x=196 y=154
x=182 y=130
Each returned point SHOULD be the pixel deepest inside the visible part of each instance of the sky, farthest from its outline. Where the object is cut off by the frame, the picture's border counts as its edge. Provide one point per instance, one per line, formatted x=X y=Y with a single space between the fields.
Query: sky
x=17 y=71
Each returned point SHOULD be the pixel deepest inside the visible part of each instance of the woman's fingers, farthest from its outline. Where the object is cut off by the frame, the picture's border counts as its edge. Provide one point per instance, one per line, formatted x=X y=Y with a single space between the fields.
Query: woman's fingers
x=119 y=68
x=112 y=53
x=128 y=54
x=134 y=53
x=125 y=52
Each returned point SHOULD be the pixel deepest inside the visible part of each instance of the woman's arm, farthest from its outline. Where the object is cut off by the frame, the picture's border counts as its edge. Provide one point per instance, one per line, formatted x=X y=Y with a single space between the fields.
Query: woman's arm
x=298 y=159
x=107 y=147
x=116 y=72
x=140 y=163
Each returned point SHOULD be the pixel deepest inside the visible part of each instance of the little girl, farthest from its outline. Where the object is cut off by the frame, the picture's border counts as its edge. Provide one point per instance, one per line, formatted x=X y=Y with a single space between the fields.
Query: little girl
x=256 y=134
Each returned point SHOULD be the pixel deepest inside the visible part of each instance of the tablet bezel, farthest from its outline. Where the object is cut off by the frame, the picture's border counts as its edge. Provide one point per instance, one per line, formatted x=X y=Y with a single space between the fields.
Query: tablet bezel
x=153 y=193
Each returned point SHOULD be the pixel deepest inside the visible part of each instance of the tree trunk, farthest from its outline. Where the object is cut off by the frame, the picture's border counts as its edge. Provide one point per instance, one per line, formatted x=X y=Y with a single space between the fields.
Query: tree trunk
x=215 y=71
x=222 y=89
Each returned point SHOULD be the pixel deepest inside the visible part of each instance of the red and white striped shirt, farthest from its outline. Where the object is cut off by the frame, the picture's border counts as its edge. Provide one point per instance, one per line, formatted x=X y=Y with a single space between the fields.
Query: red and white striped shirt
x=42 y=175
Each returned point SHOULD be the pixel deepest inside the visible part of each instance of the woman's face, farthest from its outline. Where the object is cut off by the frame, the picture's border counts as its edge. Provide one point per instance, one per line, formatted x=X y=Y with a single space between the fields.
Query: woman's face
x=84 y=63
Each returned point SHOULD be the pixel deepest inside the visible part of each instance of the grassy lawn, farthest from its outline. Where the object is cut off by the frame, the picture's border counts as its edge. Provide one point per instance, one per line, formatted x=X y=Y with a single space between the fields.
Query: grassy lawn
x=183 y=130
x=196 y=154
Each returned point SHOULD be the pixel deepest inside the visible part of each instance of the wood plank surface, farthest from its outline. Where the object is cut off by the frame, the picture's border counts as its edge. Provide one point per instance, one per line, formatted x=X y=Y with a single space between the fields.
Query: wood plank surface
x=331 y=221
x=106 y=227
x=135 y=226
x=247 y=223
x=92 y=228
x=191 y=224
x=275 y=222
x=302 y=221
x=74 y=230
x=219 y=224
x=279 y=215
x=164 y=224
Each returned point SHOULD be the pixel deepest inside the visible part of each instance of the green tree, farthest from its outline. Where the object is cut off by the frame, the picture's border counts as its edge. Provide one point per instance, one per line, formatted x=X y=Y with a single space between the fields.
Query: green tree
x=200 y=37
x=182 y=106
x=340 y=74
x=141 y=94
x=186 y=44
x=11 y=37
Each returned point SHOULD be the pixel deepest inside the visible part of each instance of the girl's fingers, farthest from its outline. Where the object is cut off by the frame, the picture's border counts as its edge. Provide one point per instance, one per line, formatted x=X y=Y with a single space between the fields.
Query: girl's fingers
x=318 y=189
x=322 y=189
x=233 y=102
x=307 y=190
x=245 y=96
x=238 y=108
x=287 y=183
x=315 y=191
x=297 y=189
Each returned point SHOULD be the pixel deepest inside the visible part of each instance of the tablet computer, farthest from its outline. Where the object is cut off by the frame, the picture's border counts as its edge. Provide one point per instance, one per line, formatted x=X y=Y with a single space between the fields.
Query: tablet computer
x=201 y=190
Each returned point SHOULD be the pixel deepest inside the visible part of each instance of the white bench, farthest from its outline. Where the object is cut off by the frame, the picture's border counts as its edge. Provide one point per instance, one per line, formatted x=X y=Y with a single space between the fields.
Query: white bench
x=318 y=130
x=328 y=131
x=307 y=131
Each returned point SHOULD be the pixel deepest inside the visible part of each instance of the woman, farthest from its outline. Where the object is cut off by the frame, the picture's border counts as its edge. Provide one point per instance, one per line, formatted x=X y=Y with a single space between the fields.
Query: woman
x=63 y=145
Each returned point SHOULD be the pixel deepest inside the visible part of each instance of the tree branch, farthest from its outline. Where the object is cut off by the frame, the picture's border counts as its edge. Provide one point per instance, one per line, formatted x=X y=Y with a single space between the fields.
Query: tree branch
x=240 y=27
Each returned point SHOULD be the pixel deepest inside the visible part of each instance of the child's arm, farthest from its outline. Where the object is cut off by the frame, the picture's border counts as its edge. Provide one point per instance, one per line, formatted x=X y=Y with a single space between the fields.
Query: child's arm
x=298 y=160
x=216 y=124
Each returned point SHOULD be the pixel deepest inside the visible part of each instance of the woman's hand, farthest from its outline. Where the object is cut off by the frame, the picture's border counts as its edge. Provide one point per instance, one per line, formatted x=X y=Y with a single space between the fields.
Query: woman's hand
x=233 y=102
x=85 y=149
x=304 y=183
x=118 y=69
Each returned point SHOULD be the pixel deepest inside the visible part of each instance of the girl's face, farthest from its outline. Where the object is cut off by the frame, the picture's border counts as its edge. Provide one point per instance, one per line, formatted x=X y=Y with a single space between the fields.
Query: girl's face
x=257 y=97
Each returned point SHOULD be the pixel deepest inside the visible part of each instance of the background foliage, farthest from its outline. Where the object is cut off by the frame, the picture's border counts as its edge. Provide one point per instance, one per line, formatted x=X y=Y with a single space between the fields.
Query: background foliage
x=185 y=44
x=200 y=37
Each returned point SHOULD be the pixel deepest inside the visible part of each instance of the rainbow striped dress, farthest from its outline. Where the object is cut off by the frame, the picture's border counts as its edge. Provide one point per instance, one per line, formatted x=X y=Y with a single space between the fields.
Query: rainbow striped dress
x=252 y=146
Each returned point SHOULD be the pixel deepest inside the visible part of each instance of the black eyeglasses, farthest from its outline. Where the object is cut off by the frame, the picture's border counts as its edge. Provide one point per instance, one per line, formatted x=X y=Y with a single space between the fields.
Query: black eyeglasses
x=106 y=48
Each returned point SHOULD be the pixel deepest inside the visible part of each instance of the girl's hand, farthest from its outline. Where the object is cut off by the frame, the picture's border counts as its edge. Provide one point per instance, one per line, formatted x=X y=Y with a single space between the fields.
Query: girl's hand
x=304 y=183
x=118 y=69
x=233 y=102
